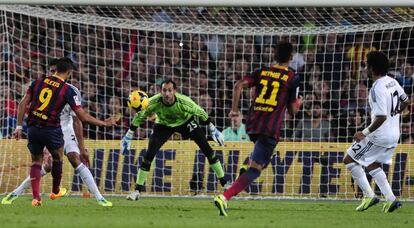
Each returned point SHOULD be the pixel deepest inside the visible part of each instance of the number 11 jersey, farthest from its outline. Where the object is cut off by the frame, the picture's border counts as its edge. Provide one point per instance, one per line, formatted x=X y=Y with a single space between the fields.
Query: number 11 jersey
x=49 y=96
x=384 y=99
x=276 y=87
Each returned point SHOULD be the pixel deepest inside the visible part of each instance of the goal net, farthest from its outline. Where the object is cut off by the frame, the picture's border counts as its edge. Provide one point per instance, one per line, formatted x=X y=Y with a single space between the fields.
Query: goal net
x=205 y=50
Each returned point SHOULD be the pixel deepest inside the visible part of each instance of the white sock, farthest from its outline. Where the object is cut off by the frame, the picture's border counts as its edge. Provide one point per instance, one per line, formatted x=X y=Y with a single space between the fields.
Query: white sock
x=360 y=178
x=26 y=183
x=382 y=182
x=87 y=178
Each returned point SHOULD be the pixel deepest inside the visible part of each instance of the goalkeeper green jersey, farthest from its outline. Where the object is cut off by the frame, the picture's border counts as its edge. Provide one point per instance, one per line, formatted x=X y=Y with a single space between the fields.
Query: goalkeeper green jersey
x=171 y=115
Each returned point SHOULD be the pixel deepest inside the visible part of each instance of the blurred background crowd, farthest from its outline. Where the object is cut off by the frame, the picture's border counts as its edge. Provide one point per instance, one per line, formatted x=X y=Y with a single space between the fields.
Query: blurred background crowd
x=113 y=61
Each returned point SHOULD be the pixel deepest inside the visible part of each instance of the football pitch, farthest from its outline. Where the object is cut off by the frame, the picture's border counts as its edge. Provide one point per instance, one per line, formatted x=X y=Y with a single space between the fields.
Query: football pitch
x=196 y=212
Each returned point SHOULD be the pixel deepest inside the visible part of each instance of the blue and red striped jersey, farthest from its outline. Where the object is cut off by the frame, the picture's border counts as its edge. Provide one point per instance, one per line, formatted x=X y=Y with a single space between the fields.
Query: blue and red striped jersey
x=49 y=96
x=275 y=89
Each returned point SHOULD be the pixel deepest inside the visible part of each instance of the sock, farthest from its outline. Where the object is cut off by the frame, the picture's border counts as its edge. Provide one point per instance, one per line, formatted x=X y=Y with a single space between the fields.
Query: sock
x=57 y=176
x=141 y=177
x=23 y=186
x=360 y=178
x=87 y=178
x=35 y=180
x=242 y=182
x=218 y=169
x=27 y=183
x=382 y=182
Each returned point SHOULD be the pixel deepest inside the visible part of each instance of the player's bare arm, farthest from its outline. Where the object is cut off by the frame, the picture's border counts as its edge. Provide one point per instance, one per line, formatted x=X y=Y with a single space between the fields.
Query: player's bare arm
x=86 y=117
x=78 y=127
x=403 y=105
x=238 y=88
x=295 y=105
x=378 y=121
x=21 y=109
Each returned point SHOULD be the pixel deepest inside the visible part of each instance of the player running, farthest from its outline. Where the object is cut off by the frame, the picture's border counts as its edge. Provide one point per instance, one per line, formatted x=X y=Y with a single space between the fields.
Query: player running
x=175 y=113
x=47 y=98
x=276 y=88
x=375 y=145
x=74 y=149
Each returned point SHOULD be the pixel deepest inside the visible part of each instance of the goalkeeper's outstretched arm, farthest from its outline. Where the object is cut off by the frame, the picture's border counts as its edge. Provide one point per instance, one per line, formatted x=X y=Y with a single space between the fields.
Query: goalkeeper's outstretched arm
x=136 y=122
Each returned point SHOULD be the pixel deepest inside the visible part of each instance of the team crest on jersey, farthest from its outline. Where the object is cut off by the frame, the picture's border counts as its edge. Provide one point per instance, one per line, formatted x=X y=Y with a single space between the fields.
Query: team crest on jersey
x=77 y=100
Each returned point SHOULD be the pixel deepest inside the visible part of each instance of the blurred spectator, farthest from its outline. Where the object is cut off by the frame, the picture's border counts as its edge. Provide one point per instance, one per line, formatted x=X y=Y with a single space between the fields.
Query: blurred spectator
x=313 y=129
x=154 y=89
x=357 y=54
x=324 y=94
x=330 y=61
x=8 y=103
x=406 y=132
x=237 y=130
x=406 y=79
x=114 y=109
x=288 y=126
x=349 y=123
x=298 y=61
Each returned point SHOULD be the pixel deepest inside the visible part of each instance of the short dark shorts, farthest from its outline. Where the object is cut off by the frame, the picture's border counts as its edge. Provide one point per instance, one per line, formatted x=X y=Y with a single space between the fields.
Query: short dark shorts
x=39 y=138
x=263 y=148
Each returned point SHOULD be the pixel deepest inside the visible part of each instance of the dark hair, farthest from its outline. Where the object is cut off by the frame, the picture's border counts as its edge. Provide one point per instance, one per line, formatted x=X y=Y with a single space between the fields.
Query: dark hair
x=64 y=65
x=378 y=61
x=318 y=103
x=176 y=72
x=167 y=81
x=53 y=62
x=283 y=51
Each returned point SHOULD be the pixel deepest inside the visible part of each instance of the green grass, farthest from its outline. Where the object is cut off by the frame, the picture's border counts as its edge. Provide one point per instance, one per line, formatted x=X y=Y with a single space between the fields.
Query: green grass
x=190 y=212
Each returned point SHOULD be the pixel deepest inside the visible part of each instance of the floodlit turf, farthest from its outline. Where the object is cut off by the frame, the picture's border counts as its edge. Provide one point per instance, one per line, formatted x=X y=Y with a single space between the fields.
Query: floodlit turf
x=194 y=212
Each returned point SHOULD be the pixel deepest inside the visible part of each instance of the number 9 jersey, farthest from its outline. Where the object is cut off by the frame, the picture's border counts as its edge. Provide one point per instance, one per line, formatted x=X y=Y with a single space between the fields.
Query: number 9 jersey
x=276 y=88
x=48 y=97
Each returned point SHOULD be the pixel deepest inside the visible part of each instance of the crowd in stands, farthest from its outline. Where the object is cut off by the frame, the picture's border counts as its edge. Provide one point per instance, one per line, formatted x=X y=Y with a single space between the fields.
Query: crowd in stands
x=113 y=61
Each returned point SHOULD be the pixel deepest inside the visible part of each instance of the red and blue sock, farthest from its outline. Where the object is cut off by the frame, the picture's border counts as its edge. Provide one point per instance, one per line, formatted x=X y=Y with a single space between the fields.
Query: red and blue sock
x=57 y=176
x=35 y=180
x=242 y=182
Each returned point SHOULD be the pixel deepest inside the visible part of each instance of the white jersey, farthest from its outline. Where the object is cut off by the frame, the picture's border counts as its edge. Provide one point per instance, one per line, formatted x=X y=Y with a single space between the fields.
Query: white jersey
x=66 y=123
x=384 y=99
x=66 y=120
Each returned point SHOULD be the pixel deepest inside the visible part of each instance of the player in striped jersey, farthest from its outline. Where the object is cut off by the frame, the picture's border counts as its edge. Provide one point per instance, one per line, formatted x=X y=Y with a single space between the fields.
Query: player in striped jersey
x=276 y=88
x=175 y=113
x=47 y=98
x=74 y=149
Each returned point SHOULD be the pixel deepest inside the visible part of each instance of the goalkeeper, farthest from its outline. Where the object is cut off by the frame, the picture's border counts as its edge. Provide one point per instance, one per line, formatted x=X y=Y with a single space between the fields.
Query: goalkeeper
x=175 y=113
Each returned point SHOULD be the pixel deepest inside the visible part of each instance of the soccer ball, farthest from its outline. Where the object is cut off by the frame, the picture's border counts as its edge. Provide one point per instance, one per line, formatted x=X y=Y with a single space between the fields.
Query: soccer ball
x=138 y=100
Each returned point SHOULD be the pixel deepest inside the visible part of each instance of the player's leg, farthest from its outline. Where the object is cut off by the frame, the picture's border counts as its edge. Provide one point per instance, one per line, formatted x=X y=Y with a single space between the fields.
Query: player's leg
x=354 y=159
x=54 y=142
x=160 y=135
x=262 y=153
x=197 y=135
x=57 y=166
x=74 y=158
x=380 y=178
x=21 y=188
x=46 y=167
x=36 y=146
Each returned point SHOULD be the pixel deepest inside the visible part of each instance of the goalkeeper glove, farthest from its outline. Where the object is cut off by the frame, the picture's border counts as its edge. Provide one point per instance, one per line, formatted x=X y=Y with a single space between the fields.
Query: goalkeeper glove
x=126 y=141
x=216 y=134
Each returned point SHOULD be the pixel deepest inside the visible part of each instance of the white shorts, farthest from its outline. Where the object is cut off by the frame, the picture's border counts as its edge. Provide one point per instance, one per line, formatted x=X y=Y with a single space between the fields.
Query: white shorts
x=366 y=153
x=71 y=144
